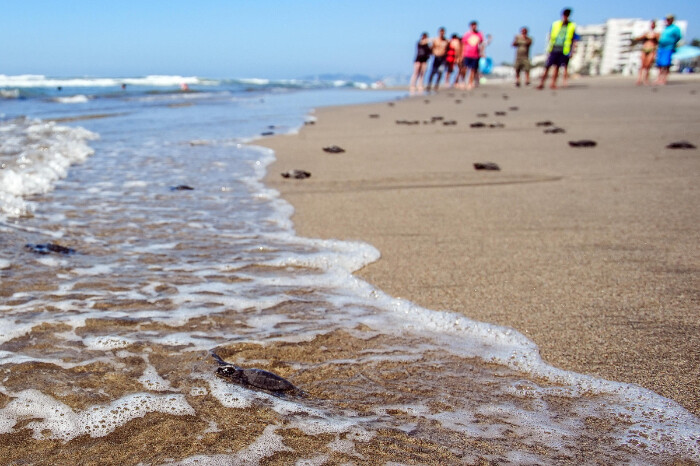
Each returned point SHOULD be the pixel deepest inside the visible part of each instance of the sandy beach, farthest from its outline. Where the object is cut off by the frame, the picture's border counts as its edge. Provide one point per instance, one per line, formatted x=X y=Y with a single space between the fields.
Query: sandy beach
x=592 y=253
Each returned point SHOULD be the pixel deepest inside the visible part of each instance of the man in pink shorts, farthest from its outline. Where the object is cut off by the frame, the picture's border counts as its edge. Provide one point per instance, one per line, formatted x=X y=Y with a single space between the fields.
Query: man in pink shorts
x=472 y=43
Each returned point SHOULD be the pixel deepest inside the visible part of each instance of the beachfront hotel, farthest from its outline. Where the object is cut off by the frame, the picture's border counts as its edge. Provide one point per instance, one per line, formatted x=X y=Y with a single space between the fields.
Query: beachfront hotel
x=605 y=49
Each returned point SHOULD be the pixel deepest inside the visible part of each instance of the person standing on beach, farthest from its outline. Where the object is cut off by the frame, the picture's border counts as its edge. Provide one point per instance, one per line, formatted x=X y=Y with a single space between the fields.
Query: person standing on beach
x=454 y=53
x=565 y=74
x=668 y=40
x=649 y=41
x=439 y=50
x=522 y=43
x=561 y=46
x=472 y=44
x=420 y=63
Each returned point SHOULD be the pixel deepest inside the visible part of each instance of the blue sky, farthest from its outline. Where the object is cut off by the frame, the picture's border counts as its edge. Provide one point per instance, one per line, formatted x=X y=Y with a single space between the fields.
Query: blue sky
x=274 y=39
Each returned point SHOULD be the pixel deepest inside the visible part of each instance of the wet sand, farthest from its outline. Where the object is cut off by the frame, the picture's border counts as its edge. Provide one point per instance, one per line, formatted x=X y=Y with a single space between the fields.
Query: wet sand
x=590 y=252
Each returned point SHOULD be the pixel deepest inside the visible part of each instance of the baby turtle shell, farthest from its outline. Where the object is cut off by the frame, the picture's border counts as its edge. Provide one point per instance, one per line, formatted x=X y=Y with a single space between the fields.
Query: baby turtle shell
x=254 y=378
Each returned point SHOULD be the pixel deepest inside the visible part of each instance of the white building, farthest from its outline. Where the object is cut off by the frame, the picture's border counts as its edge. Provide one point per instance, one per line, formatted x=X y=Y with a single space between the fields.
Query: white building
x=608 y=48
x=589 y=49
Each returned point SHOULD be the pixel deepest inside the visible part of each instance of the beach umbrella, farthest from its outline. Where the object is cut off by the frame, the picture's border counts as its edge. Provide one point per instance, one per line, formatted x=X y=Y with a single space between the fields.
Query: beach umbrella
x=686 y=52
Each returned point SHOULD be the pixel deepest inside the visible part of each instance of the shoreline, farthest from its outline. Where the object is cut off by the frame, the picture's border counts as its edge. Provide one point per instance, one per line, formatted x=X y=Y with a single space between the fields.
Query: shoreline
x=588 y=252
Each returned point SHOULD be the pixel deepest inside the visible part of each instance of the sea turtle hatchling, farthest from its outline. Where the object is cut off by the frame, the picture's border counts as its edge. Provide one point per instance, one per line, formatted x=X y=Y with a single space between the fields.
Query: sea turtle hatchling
x=254 y=378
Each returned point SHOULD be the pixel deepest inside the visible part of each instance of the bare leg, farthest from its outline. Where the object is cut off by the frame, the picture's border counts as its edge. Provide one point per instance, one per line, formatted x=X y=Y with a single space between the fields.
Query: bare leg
x=517 y=78
x=544 y=78
x=647 y=63
x=421 y=76
x=555 y=75
x=527 y=77
x=414 y=77
x=565 y=77
x=437 y=82
x=461 y=77
x=472 y=77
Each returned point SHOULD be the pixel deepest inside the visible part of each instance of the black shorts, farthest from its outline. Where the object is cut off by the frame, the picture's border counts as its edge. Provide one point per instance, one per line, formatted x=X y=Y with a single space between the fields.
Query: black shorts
x=557 y=59
x=471 y=63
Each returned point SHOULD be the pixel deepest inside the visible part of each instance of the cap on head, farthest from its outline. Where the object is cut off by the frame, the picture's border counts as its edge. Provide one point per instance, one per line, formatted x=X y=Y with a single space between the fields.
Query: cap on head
x=566 y=12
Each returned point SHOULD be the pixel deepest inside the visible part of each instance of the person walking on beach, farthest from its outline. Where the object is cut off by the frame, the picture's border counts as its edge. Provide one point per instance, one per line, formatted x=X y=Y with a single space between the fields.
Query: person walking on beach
x=522 y=43
x=561 y=45
x=472 y=44
x=420 y=63
x=649 y=41
x=439 y=50
x=454 y=53
x=668 y=40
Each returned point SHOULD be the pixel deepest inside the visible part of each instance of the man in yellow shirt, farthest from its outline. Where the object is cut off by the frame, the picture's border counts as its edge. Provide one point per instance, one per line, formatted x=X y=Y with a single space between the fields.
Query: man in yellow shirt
x=561 y=46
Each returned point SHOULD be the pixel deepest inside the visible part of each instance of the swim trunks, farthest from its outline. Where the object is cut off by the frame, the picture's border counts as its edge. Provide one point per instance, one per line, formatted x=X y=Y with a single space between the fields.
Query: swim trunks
x=557 y=59
x=471 y=63
x=663 y=57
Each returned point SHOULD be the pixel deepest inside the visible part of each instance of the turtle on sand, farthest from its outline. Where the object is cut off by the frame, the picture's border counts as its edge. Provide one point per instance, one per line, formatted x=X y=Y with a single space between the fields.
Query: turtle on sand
x=258 y=379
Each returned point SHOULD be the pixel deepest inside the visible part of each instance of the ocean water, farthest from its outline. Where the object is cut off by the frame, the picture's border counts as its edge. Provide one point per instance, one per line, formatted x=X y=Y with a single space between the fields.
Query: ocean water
x=105 y=332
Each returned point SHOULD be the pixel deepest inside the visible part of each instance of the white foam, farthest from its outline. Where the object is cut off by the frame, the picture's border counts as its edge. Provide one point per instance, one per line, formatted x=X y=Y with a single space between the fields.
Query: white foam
x=50 y=261
x=315 y=461
x=102 y=269
x=269 y=443
x=135 y=184
x=155 y=247
x=230 y=396
x=5 y=264
x=106 y=342
x=9 y=94
x=152 y=380
x=28 y=81
x=42 y=152
x=75 y=99
x=59 y=421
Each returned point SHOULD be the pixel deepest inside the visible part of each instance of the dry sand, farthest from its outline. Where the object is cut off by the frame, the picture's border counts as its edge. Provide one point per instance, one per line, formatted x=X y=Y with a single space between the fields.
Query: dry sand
x=590 y=252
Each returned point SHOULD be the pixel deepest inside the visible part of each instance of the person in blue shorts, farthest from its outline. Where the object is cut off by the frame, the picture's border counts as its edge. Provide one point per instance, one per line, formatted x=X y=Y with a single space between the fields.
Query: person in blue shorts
x=668 y=41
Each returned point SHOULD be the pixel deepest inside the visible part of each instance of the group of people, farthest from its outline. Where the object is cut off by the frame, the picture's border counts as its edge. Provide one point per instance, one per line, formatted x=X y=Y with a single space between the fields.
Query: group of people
x=464 y=53
x=460 y=54
x=658 y=47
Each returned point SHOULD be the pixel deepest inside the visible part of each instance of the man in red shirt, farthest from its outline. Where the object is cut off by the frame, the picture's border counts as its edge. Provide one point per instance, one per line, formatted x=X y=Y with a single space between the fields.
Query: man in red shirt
x=472 y=43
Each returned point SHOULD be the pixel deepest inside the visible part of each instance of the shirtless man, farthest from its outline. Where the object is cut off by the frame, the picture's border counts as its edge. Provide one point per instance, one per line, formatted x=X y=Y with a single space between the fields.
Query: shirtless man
x=439 y=49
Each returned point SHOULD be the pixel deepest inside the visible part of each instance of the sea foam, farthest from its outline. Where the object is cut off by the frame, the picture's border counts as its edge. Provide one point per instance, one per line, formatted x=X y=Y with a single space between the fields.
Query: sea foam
x=35 y=154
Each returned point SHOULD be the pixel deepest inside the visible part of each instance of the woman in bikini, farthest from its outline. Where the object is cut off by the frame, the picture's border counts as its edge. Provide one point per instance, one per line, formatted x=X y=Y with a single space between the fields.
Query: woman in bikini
x=454 y=50
x=649 y=41
x=423 y=52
